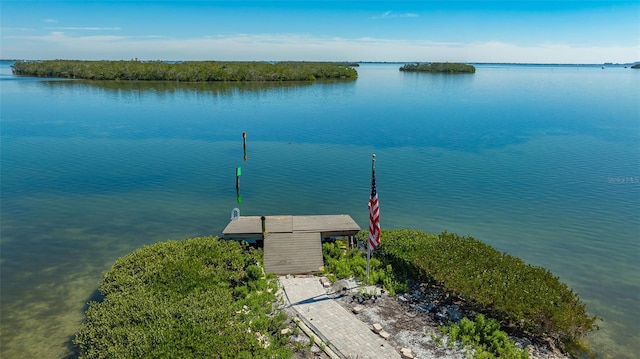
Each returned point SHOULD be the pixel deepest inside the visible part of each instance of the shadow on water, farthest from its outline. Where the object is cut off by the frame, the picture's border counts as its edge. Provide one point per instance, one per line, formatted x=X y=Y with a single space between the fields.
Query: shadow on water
x=73 y=351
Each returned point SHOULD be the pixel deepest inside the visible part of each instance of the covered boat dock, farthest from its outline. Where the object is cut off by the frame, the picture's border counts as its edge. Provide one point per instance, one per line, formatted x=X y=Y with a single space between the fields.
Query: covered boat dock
x=292 y=244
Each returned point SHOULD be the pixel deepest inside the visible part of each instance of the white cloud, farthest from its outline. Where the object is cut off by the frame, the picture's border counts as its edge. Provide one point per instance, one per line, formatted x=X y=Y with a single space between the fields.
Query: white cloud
x=50 y=21
x=300 y=47
x=390 y=15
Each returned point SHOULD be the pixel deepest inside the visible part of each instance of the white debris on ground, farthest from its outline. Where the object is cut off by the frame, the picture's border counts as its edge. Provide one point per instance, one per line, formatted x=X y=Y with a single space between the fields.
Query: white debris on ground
x=409 y=329
x=422 y=340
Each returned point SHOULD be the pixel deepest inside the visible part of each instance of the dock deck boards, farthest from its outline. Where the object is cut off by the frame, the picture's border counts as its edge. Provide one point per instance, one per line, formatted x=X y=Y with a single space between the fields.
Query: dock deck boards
x=287 y=253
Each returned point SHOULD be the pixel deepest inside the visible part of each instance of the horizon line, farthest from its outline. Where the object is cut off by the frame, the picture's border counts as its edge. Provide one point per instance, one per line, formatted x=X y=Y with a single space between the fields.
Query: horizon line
x=347 y=61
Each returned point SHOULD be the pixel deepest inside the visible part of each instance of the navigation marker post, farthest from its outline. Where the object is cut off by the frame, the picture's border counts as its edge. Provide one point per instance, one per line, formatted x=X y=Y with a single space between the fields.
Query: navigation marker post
x=238 y=173
x=244 y=144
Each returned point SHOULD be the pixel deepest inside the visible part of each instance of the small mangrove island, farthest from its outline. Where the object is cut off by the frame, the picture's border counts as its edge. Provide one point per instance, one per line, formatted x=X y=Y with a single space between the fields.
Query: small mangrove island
x=200 y=296
x=187 y=71
x=440 y=67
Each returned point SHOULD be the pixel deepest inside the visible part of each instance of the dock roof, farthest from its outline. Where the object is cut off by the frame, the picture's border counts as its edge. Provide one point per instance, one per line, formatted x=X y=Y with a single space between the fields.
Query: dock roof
x=326 y=225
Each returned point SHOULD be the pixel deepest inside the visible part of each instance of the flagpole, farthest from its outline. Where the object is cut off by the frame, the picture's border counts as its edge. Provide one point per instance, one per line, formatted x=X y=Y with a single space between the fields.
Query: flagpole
x=369 y=249
x=368 y=259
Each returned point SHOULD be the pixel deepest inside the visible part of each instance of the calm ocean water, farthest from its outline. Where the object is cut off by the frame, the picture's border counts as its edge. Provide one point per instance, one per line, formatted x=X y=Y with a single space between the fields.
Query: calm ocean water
x=542 y=162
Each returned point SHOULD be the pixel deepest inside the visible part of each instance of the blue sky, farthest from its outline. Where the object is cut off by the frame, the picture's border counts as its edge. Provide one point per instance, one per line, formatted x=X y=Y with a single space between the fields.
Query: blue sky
x=468 y=31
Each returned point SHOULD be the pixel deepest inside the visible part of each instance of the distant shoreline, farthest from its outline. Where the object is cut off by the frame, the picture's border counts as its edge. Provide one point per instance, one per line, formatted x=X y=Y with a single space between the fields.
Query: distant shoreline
x=613 y=64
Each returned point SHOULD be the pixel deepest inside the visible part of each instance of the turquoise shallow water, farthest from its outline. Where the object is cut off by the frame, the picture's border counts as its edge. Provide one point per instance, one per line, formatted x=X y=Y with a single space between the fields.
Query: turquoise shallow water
x=542 y=162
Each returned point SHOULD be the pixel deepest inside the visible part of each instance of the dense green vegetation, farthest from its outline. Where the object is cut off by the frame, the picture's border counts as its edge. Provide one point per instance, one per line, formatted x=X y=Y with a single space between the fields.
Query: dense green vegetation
x=207 y=297
x=340 y=263
x=198 y=298
x=192 y=71
x=440 y=67
x=520 y=296
x=485 y=338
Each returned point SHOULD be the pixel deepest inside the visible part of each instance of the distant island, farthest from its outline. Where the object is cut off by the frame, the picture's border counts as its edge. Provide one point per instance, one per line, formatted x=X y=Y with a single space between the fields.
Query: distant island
x=187 y=71
x=440 y=67
x=636 y=66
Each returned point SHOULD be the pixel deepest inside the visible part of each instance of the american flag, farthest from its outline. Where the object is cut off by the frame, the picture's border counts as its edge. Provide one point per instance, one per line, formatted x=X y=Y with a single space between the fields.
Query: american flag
x=374 y=212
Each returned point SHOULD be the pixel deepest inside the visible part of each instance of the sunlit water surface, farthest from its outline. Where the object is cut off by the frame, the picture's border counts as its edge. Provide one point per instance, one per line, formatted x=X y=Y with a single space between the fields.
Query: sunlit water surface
x=542 y=162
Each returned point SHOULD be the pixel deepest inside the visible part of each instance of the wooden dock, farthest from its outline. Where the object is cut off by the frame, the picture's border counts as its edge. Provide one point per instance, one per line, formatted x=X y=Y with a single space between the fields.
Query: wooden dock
x=292 y=244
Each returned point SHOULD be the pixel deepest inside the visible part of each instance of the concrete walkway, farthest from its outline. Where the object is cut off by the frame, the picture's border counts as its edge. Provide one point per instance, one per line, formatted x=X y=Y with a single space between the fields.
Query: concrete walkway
x=329 y=320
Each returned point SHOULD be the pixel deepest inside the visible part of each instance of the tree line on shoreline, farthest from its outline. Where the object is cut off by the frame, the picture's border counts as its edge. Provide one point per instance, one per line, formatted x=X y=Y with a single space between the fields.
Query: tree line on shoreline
x=188 y=71
x=440 y=67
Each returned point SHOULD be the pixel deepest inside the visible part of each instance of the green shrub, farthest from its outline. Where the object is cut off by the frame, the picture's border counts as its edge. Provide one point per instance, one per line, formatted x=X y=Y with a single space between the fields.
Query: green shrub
x=185 y=299
x=519 y=295
x=486 y=338
x=254 y=272
x=342 y=263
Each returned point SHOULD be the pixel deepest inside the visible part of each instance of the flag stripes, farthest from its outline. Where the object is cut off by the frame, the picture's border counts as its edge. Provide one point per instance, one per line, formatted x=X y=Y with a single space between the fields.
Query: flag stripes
x=374 y=212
